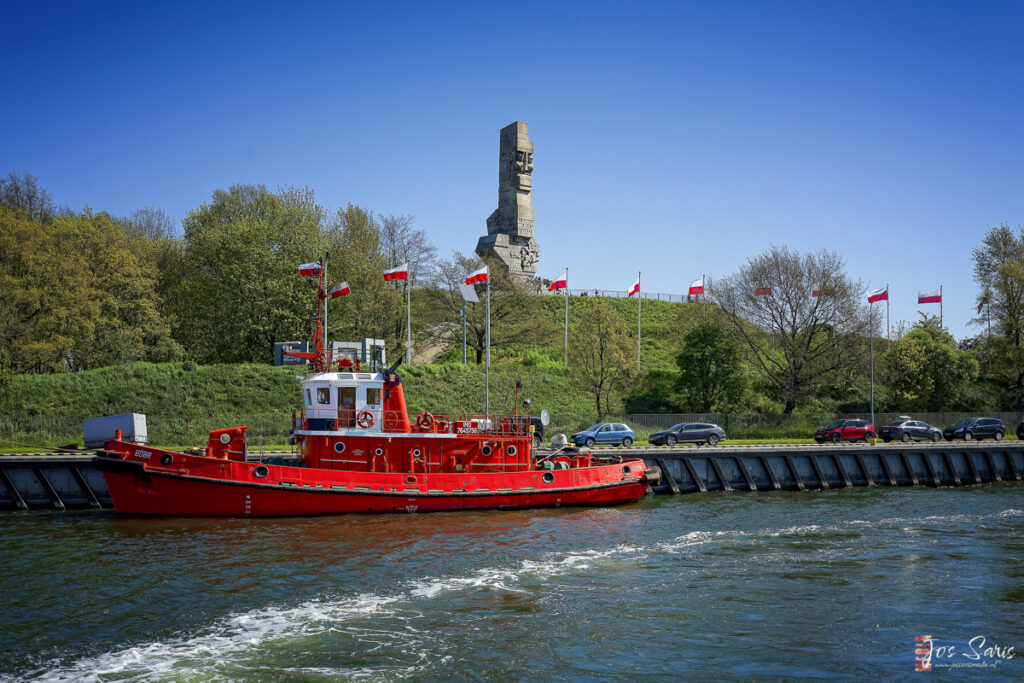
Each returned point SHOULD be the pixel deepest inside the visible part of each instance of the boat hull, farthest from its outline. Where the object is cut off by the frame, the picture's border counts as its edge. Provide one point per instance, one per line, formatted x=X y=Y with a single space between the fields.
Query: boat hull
x=139 y=489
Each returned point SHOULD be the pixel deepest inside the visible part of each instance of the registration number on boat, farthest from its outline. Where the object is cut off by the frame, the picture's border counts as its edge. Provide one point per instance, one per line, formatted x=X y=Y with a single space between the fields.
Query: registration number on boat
x=143 y=455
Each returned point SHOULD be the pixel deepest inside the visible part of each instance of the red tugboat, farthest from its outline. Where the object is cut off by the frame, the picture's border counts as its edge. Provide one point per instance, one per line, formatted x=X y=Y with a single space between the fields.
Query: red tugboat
x=359 y=452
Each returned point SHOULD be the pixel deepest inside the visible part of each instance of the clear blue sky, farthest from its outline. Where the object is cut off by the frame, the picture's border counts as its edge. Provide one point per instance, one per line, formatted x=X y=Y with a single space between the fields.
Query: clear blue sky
x=672 y=138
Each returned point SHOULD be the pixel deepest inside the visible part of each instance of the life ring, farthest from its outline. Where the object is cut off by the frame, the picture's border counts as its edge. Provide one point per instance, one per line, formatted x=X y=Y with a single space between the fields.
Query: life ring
x=425 y=421
x=365 y=419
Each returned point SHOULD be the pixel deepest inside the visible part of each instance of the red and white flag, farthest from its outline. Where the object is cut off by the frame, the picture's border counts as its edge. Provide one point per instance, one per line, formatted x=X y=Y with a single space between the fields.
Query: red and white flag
x=561 y=282
x=477 y=276
x=340 y=290
x=397 y=273
x=765 y=291
x=697 y=286
x=879 y=295
x=931 y=296
x=635 y=289
x=309 y=269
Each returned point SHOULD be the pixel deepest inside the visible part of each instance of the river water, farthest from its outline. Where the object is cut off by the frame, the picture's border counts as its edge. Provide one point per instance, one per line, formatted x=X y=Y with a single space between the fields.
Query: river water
x=736 y=586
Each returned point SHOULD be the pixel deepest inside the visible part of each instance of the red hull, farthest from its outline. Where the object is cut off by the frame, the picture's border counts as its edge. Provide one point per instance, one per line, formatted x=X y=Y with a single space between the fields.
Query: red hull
x=202 y=486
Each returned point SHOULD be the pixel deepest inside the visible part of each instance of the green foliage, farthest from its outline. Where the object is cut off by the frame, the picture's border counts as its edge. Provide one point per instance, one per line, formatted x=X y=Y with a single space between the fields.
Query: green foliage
x=75 y=293
x=927 y=371
x=999 y=271
x=601 y=352
x=236 y=290
x=657 y=393
x=710 y=373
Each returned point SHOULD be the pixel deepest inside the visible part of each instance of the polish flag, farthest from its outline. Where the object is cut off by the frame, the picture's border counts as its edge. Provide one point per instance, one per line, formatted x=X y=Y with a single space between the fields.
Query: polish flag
x=561 y=282
x=931 y=296
x=309 y=269
x=397 y=273
x=879 y=295
x=340 y=290
x=764 y=291
x=477 y=276
x=635 y=289
x=697 y=287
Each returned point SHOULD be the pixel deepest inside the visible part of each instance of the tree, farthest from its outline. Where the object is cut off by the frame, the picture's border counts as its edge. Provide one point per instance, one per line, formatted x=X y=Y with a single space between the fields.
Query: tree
x=375 y=308
x=999 y=272
x=927 y=371
x=401 y=243
x=513 y=319
x=236 y=290
x=151 y=222
x=710 y=371
x=22 y=192
x=799 y=341
x=602 y=354
x=76 y=293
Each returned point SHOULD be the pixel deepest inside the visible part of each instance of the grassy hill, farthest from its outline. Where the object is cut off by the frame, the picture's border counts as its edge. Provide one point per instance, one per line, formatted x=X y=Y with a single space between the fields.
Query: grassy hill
x=183 y=401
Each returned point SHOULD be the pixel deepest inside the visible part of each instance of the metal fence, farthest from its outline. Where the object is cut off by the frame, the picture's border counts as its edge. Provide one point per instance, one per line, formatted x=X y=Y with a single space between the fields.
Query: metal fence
x=274 y=429
x=622 y=294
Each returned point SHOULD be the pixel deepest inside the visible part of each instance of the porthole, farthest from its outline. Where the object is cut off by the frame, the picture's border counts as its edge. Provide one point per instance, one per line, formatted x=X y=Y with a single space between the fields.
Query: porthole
x=260 y=472
x=547 y=477
x=339 y=447
x=416 y=452
x=378 y=451
x=410 y=480
x=225 y=438
x=626 y=470
x=511 y=450
x=166 y=459
x=486 y=450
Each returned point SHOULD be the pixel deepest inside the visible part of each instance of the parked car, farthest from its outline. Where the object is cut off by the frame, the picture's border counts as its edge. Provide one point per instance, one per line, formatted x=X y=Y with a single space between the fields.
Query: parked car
x=604 y=432
x=976 y=428
x=845 y=430
x=688 y=432
x=905 y=429
x=1020 y=430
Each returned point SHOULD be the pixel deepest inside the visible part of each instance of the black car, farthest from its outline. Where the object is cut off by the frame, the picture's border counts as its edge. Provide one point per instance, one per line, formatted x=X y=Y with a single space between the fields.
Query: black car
x=1020 y=430
x=688 y=432
x=976 y=428
x=906 y=429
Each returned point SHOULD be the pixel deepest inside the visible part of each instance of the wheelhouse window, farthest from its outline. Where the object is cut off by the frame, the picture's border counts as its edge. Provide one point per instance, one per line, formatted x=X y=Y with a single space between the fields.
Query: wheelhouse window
x=323 y=396
x=373 y=397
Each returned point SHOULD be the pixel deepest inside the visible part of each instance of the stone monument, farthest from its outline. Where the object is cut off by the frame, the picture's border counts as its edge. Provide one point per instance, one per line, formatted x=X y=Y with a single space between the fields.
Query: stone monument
x=510 y=228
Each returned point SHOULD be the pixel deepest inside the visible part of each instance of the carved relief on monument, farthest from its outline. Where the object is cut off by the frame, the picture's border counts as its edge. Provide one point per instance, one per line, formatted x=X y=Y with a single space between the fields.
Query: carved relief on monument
x=510 y=227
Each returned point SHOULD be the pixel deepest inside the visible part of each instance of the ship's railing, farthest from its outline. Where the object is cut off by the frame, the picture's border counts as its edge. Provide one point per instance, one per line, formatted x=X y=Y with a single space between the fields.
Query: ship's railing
x=373 y=419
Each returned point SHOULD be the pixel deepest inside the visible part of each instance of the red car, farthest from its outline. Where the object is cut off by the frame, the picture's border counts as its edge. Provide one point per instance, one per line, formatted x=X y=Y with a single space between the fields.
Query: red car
x=845 y=430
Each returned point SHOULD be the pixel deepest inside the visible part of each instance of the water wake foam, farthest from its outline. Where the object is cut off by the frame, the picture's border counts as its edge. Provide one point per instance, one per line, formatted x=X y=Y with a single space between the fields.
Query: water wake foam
x=228 y=645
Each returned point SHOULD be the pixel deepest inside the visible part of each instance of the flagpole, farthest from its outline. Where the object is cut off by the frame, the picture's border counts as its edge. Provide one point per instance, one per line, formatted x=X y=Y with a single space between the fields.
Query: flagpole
x=940 y=307
x=566 y=353
x=703 y=302
x=408 y=321
x=886 y=318
x=323 y=287
x=871 y=323
x=487 y=366
x=639 y=319
x=463 y=332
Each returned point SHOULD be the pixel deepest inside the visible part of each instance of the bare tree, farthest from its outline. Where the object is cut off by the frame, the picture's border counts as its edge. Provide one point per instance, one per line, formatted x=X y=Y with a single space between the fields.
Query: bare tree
x=22 y=192
x=602 y=354
x=513 y=313
x=401 y=243
x=799 y=340
x=151 y=222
